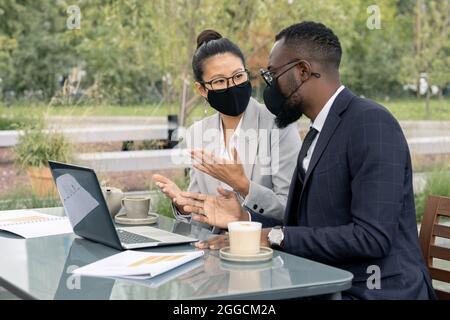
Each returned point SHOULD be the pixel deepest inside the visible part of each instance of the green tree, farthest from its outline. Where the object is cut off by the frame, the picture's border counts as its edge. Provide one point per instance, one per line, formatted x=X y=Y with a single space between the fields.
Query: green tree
x=30 y=33
x=429 y=54
x=140 y=51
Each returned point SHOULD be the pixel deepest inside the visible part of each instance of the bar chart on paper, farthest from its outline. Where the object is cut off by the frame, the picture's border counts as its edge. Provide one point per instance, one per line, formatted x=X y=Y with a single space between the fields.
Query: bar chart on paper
x=33 y=224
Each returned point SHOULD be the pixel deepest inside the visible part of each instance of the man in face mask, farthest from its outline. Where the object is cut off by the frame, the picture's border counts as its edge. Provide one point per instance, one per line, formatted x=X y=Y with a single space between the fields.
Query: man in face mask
x=291 y=90
x=351 y=201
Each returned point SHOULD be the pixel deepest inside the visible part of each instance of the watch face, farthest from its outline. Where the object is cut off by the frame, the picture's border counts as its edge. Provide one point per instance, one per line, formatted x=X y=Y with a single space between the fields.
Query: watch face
x=276 y=236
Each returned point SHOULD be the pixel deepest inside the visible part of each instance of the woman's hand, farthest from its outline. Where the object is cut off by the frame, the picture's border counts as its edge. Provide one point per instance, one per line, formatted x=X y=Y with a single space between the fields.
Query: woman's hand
x=230 y=172
x=169 y=188
x=214 y=210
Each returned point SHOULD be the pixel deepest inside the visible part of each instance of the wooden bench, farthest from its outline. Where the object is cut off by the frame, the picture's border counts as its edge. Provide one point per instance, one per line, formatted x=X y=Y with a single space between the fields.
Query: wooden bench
x=134 y=160
x=9 y=138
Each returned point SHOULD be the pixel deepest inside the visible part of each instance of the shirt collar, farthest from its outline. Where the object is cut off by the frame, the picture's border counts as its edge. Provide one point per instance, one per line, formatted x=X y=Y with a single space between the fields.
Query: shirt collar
x=322 y=116
x=235 y=135
x=236 y=131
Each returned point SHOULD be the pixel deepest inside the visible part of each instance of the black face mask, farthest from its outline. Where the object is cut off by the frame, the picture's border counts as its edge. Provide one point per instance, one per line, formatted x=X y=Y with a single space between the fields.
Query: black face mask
x=231 y=102
x=285 y=112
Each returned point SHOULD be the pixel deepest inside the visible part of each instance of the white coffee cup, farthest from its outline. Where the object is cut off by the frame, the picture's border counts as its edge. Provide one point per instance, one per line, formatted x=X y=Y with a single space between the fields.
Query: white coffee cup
x=245 y=237
x=136 y=207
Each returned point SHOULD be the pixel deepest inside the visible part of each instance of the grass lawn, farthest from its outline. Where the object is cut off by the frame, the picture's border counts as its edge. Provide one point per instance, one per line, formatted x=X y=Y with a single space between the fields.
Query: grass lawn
x=99 y=110
x=414 y=109
x=406 y=109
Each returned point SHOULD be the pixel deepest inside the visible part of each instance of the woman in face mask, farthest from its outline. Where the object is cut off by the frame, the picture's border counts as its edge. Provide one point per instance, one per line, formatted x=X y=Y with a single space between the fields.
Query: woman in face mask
x=239 y=149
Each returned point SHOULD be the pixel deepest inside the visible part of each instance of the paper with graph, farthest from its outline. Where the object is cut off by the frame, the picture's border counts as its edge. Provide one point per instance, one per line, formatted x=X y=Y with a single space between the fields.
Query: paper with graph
x=33 y=224
x=137 y=265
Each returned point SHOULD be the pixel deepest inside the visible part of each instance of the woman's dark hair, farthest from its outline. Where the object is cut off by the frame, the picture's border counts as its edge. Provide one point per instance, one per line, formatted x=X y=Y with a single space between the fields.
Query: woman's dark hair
x=211 y=43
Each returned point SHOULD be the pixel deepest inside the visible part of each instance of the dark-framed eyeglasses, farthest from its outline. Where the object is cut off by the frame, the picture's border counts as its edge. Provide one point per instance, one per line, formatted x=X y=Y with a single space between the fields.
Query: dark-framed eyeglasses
x=221 y=84
x=272 y=75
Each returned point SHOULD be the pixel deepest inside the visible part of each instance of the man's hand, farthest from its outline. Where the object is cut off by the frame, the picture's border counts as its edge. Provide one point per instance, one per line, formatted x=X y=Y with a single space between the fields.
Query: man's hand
x=215 y=243
x=221 y=241
x=214 y=210
x=265 y=237
x=230 y=172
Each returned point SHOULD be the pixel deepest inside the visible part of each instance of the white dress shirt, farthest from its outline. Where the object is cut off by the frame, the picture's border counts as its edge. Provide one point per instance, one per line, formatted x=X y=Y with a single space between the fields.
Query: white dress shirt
x=225 y=152
x=318 y=125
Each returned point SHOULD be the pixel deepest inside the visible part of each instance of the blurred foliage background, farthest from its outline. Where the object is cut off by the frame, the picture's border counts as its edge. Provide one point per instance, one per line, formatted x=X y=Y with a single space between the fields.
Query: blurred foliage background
x=134 y=52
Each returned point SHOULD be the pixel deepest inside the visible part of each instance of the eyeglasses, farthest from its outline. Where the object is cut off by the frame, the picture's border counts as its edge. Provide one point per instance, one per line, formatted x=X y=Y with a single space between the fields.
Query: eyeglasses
x=271 y=76
x=221 y=84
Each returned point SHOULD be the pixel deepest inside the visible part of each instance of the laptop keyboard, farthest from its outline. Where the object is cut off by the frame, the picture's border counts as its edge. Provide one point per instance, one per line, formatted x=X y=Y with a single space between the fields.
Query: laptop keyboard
x=131 y=238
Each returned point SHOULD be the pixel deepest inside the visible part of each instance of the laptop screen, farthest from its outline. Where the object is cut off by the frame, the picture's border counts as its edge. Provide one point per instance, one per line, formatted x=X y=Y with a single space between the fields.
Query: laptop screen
x=83 y=201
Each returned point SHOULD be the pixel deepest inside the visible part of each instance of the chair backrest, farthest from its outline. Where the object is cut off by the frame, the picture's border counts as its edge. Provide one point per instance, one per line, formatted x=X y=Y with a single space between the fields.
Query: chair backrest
x=436 y=208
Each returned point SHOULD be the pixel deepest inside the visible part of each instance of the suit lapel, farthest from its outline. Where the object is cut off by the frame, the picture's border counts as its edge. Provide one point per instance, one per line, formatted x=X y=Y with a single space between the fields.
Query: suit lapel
x=247 y=147
x=328 y=129
x=287 y=219
x=211 y=142
x=331 y=123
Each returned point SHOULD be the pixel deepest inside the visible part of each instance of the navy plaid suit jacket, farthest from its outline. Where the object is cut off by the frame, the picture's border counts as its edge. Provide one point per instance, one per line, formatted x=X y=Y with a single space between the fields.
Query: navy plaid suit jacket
x=356 y=208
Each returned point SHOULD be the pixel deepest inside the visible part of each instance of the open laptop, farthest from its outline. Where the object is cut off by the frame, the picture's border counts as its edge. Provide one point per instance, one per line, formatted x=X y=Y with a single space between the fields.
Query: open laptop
x=86 y=208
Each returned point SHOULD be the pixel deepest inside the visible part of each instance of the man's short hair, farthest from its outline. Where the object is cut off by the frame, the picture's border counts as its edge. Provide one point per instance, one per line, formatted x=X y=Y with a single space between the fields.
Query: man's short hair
x=314 y=41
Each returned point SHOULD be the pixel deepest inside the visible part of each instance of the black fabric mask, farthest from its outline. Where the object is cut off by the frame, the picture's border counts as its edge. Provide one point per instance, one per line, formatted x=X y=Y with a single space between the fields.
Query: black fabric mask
x=231 y=102
x=278 y=105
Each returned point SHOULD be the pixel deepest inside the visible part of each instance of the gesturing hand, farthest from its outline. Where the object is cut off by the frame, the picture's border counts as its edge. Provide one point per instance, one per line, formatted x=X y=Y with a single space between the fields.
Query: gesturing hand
x=214 y=210
x=169 y=188
x=230 y=172
x=221 y=241
x=215 y=243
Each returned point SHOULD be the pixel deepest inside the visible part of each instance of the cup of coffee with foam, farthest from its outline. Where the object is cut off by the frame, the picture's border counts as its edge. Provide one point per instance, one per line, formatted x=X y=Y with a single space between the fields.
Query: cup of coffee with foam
x=245 y=237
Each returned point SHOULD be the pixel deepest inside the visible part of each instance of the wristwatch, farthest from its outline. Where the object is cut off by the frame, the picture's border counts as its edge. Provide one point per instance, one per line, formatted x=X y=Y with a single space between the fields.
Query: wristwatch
x=276 y=237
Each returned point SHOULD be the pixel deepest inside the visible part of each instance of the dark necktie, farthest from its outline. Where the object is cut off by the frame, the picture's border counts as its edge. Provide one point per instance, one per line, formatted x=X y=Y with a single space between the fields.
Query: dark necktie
x=312 y=133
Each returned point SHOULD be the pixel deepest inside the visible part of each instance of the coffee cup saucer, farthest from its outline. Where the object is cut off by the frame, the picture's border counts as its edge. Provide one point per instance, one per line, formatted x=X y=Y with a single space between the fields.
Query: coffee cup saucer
x=264 y=254
x=122 y=218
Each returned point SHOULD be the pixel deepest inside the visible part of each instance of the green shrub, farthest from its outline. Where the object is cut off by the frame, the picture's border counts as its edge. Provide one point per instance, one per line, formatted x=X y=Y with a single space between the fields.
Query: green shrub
x=23 y=198
x=14 y=122
x=438 y=183
x=36 y=146
x=6 y=124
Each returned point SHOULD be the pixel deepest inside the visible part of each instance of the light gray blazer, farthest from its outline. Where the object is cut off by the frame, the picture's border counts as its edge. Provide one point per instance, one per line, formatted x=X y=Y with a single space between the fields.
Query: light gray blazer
x=268 y=154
